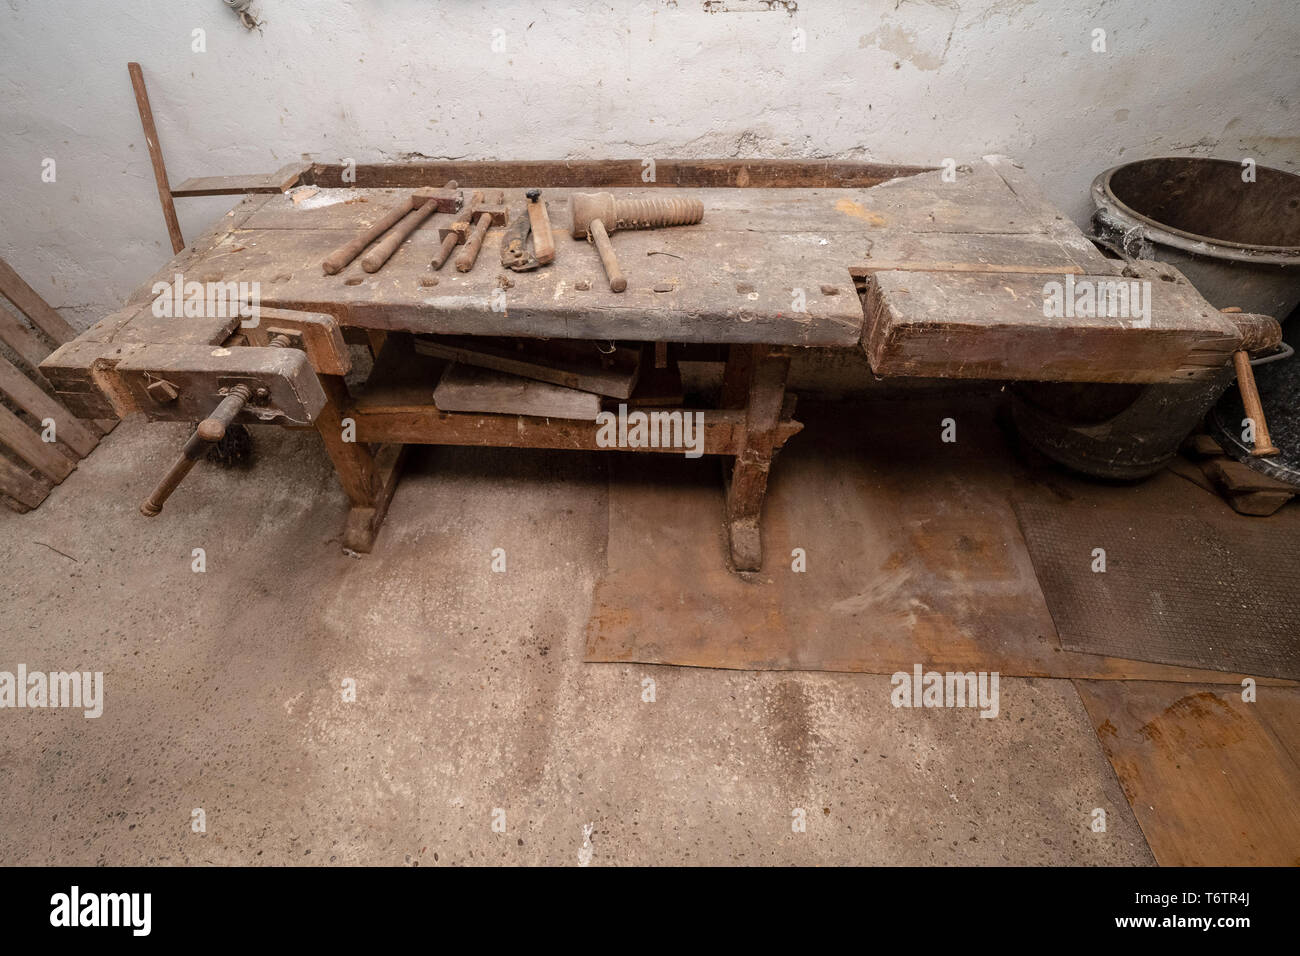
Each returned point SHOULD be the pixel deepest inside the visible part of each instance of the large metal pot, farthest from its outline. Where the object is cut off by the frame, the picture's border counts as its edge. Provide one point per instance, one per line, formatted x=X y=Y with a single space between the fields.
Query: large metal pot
x=1238 y=242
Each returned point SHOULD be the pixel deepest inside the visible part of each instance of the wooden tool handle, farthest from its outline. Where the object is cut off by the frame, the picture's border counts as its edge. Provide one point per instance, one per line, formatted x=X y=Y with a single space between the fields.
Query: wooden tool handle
x=455 y=233
x=194 y=450
x=374 y=260
x=465 y=261
x=338 y=260
x=617 y=281
x=539 y=222
x=211 y=429
x=1251 y=403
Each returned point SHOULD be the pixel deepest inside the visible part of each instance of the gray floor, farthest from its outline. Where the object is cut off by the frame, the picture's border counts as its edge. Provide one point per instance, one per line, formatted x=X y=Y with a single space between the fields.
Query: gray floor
x=223 y=693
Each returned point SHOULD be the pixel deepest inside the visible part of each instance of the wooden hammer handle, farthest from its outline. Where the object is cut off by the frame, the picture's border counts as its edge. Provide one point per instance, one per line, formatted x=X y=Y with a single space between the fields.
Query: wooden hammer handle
x=1253 y=406
x=374 y=260
x=338 y=260
x=617 y=281
x=469 y=255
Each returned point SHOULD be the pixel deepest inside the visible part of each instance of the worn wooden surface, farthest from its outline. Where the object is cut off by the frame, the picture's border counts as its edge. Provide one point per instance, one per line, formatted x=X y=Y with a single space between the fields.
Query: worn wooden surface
x=609 y=173
x=468 y=388
x=991 y=325
x=33 y=465
x=279 y=181
x=954 y=272
x=583 y=365
x=1212 y=779
x=765 y=266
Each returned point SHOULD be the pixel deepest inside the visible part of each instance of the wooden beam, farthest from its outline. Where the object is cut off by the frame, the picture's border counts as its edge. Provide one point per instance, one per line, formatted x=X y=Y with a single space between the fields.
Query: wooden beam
x=29 y=302
x=27 y=445
x=578 y=173
x=427 y=425
x=25 y=393
x=746 y=486
x=155 y=156
x=21 y=339
x=25 y=491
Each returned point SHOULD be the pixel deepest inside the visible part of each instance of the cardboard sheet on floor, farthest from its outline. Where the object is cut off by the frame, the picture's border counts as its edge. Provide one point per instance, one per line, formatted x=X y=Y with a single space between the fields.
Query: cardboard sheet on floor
x=1212 y=779
x=913 y=555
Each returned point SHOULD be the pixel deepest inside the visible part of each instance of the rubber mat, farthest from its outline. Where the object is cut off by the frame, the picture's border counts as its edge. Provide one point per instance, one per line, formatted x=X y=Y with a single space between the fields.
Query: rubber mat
x=1175 y=588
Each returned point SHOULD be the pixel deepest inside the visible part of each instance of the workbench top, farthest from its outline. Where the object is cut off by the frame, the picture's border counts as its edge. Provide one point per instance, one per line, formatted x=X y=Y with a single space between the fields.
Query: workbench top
x=774 y=266
x=939 y=273
x=731 y=278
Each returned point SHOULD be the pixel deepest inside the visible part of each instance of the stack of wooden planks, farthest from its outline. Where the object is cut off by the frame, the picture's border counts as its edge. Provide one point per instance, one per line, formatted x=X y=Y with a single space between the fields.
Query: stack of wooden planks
x=40 y=440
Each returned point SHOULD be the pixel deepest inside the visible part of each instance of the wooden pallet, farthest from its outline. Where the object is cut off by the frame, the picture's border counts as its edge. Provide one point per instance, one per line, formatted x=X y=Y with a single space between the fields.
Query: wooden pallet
x=30 y=464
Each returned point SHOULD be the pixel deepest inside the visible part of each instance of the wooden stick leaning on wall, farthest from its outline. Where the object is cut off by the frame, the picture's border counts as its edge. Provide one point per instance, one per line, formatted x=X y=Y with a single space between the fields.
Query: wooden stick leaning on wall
x=156 y=157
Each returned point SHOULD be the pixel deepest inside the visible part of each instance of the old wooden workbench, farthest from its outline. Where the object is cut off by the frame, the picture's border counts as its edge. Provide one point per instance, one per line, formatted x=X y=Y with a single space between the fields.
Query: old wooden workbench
x=929 y=276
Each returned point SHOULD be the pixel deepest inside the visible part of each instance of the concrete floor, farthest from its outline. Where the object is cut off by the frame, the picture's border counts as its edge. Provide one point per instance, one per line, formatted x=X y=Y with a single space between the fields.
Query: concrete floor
x=223 y=693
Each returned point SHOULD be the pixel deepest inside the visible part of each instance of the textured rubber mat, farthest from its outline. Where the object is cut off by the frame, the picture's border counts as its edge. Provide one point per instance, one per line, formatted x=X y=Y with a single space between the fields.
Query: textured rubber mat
x=1176 y=589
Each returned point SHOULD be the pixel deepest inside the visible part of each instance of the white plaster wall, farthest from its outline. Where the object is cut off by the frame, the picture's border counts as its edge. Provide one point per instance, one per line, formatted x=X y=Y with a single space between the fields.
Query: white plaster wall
x=886 y=80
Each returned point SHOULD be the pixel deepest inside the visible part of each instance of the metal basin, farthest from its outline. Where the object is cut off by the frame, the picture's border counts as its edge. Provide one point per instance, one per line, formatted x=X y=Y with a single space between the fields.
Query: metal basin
x=1238 y=242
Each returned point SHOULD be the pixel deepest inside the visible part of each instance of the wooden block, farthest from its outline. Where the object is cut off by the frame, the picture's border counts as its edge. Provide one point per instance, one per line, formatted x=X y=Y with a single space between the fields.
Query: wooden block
x=294 y=393
x=658 y=388
x=1258 y=504
x=1203 y=446
x=466 y=388
x=282 y=180
x=321 y=337
x=993 y=326
x=571 y=364
x=1236 y=477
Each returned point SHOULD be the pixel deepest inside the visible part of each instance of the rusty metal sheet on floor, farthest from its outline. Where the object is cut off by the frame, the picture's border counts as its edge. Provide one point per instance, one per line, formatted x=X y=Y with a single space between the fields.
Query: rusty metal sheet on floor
x=913 y=555
x=1186 y=580
x=1212 y=779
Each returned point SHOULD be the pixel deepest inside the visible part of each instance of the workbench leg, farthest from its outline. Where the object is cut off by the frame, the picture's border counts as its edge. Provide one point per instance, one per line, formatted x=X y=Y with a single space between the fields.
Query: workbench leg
x=747 y=482
x=368 y=480
x=736 y=375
